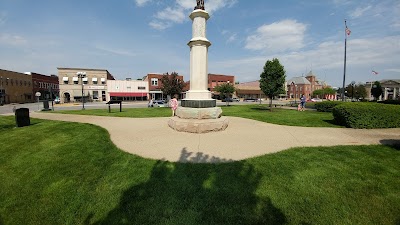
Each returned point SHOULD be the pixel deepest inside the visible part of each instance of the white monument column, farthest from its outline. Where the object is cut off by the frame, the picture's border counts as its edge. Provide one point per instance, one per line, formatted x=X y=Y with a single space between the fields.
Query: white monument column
x=198 y=112
x=199 y=96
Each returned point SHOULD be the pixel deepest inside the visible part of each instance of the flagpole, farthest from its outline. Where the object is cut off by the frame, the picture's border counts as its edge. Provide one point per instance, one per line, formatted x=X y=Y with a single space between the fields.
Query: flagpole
x=345 y=51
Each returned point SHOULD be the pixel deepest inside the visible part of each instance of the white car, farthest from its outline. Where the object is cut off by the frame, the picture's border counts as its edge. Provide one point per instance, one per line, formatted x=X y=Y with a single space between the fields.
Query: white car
x=316 y=100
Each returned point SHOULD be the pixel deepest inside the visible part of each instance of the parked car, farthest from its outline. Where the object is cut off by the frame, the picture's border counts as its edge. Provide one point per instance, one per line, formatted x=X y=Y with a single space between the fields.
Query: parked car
x=230 y=100
x=249 y=100
x=316 y=100
x=159 y=103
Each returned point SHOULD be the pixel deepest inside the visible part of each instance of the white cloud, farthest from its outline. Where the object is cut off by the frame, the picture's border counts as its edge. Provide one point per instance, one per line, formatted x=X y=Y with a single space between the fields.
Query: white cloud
x=141 y=2
x=326 y=60
x=393 y=70
x=358 y=12
x=278 y=37
x=175 y=15
x=3 y=17
x=181 y=10
x=231 y=38
x=115 y=51
x=159 y=25
x=8 y=39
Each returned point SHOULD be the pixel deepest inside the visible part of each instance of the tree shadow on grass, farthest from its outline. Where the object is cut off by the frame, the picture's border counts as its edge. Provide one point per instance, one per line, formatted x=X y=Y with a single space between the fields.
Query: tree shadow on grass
x=392 y=143
x=190 y=193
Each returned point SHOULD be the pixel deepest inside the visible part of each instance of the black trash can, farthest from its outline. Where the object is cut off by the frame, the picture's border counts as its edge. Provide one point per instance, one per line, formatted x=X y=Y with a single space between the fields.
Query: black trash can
x=22 y=117
x=46 y=105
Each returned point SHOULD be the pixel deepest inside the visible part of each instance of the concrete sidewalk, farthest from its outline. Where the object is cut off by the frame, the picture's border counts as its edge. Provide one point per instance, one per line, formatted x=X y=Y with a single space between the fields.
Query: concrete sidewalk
x=244 y=138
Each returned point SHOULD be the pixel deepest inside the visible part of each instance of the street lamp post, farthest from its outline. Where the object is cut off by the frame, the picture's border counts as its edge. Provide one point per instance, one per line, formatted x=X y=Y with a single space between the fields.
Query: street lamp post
x=352 y=90
x=227 y=99
x=82 y=75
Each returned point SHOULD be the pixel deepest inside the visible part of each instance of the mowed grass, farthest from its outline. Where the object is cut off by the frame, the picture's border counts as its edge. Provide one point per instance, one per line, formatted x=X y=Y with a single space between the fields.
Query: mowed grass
x=56 y=172
x=290 y=117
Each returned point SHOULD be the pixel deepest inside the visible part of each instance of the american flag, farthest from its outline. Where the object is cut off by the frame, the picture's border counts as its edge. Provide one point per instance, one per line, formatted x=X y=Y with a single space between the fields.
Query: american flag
x=348 y=31
x=374 y=72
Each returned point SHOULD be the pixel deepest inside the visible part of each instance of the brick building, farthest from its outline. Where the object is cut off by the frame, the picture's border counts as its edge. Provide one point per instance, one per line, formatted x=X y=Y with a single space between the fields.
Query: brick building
x=155 y=85
x=47 y=86
x=249 y=90
x=94 y=84
x=298 y=86
x=15 y=87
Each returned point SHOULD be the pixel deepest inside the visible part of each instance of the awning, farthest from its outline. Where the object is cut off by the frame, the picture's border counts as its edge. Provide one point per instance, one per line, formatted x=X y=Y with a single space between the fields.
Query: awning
x=65 y=78
x=127 y=94
x=85 y=79
x=75 y=78
x=94 y=79
x=103 y=79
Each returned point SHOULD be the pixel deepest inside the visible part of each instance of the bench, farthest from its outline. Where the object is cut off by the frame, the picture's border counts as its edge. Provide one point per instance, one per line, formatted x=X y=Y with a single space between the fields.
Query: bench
x=114 y=102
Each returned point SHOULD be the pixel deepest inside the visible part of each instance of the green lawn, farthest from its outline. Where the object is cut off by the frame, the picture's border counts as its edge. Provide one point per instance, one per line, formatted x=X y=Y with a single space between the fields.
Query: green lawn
x=309 y=118
x=68 y=173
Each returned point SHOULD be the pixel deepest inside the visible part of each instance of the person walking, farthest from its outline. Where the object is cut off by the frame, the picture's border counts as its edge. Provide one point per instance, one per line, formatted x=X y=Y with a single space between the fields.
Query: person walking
x=303 y=102
x=174 y=104
x=150 y=103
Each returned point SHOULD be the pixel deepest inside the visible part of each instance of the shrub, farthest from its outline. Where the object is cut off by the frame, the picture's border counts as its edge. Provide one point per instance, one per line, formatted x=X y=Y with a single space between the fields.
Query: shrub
x=391 y=102
x=367 y=115
x=326 y=106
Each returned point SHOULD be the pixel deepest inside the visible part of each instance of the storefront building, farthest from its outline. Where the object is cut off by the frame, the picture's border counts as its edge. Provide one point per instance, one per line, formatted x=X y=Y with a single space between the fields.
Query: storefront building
x=91 y=87
x=47 y=86
x=127 y=90
x=155 y=85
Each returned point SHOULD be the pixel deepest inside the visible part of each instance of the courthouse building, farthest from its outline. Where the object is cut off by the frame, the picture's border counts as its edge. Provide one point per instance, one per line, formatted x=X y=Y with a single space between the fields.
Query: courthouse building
x=390 y=88
x=94 y=84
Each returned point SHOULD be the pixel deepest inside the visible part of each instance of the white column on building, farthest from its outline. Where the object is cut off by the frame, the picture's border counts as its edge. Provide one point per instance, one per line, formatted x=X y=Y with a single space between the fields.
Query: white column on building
x=394 y=93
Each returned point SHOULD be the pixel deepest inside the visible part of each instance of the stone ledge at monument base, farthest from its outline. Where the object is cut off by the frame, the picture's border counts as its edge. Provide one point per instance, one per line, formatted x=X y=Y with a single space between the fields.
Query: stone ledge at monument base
x=198 y=126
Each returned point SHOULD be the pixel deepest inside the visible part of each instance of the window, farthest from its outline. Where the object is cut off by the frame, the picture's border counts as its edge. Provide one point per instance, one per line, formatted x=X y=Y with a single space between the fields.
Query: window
x=95 y=95
x=20 y=83
x=76 y=82
x=154 y=82
x=141 y=88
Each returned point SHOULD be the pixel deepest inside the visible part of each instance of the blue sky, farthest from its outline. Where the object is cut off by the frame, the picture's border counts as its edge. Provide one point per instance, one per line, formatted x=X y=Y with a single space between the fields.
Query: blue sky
x=131 y=38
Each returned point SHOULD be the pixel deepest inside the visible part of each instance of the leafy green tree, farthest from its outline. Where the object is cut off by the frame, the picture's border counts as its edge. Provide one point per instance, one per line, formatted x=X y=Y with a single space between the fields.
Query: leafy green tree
x=322 y=92
x=171 y=85
x=226 y=89
x=376 y=90
x=361 y=91
x=273 y=79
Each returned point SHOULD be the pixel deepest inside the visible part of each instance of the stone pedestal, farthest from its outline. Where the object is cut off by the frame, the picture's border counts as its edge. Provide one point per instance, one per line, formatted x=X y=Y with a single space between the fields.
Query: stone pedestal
x=198 y=126
x=198 y=112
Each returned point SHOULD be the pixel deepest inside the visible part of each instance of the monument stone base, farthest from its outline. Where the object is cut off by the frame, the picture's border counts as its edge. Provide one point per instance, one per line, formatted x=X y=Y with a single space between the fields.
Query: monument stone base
x=198 y=103
x=198 y=126
x=198 y=120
